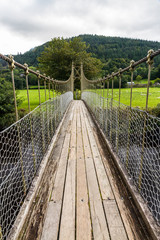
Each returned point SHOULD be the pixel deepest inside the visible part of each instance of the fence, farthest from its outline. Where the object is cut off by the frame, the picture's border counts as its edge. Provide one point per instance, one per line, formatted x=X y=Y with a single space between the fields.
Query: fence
x=133 y=134
x=24 y=144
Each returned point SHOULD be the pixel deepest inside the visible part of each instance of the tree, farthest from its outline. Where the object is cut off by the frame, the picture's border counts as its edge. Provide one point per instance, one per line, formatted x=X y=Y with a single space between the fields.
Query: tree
x=19 y=76
x=7 y=110
x=138 y=78
x=142 y=70
x=57 y=58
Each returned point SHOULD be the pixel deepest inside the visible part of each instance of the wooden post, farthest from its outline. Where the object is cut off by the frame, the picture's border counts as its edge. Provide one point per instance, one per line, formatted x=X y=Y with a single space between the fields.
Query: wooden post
x=108 y=115
x=51 y=110
x=82 y=84
x=42 y=132
x=104 y=106
x=111 y=107
x=53 y=123
x=150 y=63
x=72 y=74
x=1 y=235
x=12 y=66
x=130 y=111
x=30 y=118
x=117 y=137
x=49 y=115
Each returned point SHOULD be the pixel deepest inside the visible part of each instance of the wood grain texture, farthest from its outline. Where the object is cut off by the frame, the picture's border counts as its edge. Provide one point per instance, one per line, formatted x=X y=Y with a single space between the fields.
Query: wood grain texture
x=116 y=227
x=100 y=230
x=67 y=225
x=83 y=205
x=83 y=227
x=104 y=184
x=51 y=224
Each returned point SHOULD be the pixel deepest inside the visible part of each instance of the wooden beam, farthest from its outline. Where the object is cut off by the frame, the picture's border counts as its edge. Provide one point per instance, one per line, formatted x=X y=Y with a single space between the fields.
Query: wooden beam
x=67 y=225
x=116 y=227
x=83 y=226
x=100 y=230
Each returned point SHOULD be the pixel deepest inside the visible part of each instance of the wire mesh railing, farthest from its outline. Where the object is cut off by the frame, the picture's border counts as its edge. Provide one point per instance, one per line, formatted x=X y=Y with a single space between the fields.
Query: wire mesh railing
x=24 y=144
x=134 y=134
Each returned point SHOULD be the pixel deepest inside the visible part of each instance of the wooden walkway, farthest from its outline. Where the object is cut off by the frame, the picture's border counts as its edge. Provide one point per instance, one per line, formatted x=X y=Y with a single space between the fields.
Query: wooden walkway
x=83 y=204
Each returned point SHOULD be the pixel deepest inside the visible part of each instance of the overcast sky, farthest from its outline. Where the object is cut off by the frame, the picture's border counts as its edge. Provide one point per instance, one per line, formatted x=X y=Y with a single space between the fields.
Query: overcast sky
x=25 y=24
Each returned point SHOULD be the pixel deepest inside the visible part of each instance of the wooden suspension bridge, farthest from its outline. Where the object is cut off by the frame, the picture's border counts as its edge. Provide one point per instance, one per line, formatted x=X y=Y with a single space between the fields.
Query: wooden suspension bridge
x=80 y=189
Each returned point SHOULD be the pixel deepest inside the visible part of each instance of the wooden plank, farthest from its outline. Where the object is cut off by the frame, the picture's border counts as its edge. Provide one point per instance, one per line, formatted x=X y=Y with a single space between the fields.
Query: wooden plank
x=127 y=219
x=57 y=192
x=67 y=225
x=116 y=227
x=51 y=224
x=50 y=229
x=83 y=226
x=100 y=230
x=104 y=184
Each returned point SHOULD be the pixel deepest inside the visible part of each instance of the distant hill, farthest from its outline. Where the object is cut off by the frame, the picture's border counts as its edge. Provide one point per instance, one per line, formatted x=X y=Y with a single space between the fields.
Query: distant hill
x=30 y=57
x=116 y=47
x=102 y=47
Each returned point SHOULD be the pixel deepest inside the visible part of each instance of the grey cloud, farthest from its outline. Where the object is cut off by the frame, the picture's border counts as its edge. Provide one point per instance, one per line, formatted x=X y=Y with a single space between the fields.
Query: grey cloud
x=23 y=27
x=43 y=19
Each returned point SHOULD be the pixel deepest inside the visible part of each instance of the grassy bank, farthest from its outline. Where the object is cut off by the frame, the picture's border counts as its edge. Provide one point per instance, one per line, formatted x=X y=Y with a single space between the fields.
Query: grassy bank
x=138 y=100
x=34 y=98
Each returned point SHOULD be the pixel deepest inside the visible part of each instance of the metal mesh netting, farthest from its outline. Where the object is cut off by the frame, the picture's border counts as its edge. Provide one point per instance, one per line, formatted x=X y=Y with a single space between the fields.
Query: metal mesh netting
x=24 y=144
x=133 y=134
x=135 y=138
x=22 y=148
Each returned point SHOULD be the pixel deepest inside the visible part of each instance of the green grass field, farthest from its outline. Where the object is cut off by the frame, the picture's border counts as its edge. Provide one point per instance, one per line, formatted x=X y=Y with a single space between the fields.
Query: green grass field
x=138 y=97
x=138 y=100
x=143 y=81
x=33 y=96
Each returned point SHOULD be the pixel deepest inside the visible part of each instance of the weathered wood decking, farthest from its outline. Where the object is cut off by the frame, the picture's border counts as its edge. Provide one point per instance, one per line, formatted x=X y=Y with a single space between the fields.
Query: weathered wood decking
x=84 y=203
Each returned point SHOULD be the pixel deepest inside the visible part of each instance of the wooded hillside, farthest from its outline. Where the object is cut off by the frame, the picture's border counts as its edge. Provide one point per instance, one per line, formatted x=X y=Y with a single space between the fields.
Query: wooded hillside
x=102 y=47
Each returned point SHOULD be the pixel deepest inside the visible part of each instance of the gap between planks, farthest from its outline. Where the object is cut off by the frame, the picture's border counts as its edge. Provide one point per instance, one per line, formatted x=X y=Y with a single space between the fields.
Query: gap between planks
x=100 y=229
x=131 y=233
x=117 y=231
x=81 y=173
x=83 y=221
x=51 y=224
x=67 y=224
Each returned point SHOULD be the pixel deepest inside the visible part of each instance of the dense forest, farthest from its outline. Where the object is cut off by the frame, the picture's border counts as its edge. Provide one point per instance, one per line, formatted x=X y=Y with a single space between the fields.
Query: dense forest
x=114 y=52
x=103 y=48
